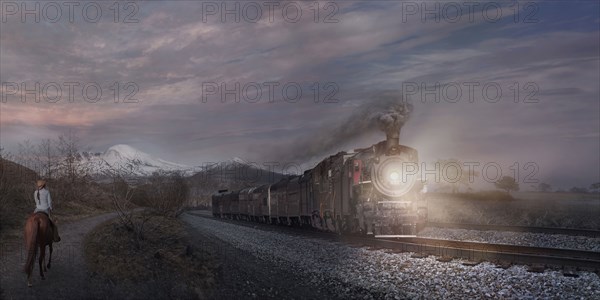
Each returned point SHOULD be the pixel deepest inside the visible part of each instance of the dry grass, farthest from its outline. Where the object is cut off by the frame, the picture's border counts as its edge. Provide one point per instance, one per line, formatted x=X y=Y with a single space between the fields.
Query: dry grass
x=164 y=256
x=12 y=218
x=527 y=209
x=14 y=215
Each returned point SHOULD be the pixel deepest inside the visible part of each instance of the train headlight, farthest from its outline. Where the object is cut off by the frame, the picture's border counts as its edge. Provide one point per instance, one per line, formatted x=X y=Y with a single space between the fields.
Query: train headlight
x=393 y=175
x=394 y=178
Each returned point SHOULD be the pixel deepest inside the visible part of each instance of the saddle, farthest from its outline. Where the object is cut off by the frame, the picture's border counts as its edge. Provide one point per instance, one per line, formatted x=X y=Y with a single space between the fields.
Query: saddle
x=47 y=215
x=54 y=228
x=41 y=212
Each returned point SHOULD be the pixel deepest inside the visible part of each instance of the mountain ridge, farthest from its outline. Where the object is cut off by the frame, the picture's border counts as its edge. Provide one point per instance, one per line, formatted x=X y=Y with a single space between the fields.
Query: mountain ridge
x=135 y=161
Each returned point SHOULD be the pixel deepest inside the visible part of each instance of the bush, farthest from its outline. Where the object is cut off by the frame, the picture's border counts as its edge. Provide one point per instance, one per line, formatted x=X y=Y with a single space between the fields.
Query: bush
x=167 y=193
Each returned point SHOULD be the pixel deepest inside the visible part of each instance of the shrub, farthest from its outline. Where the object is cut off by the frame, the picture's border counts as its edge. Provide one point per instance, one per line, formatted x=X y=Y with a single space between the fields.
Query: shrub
x=167 y=193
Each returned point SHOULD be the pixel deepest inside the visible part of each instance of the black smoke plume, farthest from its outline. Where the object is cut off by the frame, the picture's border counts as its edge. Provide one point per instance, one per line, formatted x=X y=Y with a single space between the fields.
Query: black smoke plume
x=386 y=111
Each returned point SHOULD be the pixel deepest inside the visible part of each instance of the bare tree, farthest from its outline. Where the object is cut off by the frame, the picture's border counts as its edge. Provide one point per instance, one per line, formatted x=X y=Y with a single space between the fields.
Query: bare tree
x=27 y=156
x=47 y=158
x=122 y=191
x=167 y=193
x=68 y=148
x=71 y=174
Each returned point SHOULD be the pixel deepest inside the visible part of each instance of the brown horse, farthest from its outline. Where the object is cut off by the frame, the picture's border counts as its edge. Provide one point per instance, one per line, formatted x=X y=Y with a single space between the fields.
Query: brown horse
x=38 y=233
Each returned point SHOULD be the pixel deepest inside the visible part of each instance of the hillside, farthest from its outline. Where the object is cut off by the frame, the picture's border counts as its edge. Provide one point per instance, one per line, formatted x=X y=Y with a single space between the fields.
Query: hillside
x=16 y=183
x=233 y=174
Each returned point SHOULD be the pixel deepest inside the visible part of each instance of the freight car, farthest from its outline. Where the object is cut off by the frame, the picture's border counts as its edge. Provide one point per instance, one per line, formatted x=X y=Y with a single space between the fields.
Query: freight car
x=374 y=191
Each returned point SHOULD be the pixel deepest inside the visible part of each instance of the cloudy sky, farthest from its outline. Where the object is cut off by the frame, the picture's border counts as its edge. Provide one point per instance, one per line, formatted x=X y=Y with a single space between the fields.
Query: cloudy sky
x=492 y=82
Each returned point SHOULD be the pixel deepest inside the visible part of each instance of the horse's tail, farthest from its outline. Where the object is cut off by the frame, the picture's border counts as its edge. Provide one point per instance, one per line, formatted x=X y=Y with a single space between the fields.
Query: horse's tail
x=31 y=232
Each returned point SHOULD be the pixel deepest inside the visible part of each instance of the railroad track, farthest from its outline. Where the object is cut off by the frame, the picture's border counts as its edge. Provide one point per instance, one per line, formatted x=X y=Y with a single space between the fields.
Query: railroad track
x=472 y=252
x=546 y=230
x=503 y=253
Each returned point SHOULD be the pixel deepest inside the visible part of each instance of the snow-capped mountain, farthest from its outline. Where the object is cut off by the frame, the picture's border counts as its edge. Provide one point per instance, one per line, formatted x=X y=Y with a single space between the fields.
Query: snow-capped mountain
x=237 y=164
x=236 y=172
x=124 y=158
x=239 y=161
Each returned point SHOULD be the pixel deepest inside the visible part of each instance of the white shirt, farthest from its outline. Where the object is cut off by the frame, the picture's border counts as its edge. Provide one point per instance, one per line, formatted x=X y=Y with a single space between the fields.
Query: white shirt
x=44 y=203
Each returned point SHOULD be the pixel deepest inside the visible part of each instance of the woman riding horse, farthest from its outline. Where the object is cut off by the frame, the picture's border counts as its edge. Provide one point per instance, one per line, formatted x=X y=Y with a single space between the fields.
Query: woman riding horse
x=39 y=231
x=43 y=203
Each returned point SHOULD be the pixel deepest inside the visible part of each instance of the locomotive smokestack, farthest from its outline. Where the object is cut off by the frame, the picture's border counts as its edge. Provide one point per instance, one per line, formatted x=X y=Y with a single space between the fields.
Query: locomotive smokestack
x=392 y=139
x=392 y=120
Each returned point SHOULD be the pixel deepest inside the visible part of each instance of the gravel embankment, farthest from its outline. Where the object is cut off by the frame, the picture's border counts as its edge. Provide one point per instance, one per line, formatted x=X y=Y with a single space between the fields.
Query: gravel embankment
x=514 y=238
x=241 y=275
x=360 y=273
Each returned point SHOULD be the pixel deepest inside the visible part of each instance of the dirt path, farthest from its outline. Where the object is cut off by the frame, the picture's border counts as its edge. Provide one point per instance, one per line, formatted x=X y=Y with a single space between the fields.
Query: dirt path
x=68 y=278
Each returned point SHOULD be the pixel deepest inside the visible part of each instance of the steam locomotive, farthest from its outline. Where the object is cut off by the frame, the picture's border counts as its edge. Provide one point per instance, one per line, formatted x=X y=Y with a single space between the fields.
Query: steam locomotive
x=372 y=191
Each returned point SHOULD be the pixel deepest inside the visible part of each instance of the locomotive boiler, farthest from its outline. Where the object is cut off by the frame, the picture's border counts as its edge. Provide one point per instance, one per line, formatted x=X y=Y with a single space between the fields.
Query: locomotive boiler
x=373 y=191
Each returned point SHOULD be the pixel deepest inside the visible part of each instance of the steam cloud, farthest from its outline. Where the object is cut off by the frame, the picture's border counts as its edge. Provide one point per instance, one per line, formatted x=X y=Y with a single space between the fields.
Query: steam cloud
x=392 y=120
x=386 y=111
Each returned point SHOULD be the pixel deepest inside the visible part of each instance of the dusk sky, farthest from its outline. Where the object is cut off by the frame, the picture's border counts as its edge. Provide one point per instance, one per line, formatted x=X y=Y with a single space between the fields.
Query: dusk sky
x=543 y=57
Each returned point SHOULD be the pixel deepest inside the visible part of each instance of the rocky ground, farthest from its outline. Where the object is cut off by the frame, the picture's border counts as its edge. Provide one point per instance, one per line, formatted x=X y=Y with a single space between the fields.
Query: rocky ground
x=241 y=275
x=267 y=264
x=515 y=238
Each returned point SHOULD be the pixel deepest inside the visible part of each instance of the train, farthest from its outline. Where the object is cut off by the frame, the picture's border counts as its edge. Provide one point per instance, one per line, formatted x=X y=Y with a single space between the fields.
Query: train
x=374 y=191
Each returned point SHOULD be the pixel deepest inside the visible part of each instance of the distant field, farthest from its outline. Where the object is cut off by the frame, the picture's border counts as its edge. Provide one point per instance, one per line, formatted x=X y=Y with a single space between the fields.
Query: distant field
x=527 y=209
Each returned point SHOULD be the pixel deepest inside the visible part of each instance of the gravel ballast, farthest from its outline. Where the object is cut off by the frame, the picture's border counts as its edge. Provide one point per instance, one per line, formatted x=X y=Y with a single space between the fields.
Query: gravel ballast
x=514 y=238
x=349 y=272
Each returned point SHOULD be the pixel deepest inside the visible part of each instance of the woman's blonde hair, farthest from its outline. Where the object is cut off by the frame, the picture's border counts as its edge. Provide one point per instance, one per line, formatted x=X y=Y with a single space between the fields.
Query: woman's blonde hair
x=40 y=185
